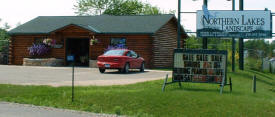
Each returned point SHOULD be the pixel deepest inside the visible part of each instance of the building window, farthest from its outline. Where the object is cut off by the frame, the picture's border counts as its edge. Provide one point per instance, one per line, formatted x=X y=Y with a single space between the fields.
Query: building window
x=118 y=41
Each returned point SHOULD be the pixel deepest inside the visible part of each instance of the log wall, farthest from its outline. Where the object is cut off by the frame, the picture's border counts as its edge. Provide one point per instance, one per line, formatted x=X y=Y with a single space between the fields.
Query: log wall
x=19 y=44
x=157 y=49
x=141 y=44
x=164 y=43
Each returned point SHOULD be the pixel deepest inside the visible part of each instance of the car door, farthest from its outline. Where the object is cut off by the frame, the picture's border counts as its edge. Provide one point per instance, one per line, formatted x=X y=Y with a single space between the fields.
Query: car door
x=130 y=59
x=136 y=62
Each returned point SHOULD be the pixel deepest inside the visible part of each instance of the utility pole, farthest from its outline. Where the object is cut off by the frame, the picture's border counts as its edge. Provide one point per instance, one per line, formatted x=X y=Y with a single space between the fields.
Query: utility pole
x=233 y=42
x=204 y=39
x=179 y=25
x=241 y=43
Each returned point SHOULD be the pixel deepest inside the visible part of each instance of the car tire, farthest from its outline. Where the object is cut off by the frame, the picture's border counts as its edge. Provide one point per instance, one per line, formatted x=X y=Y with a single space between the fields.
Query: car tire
x=120 y=70
x=126 y=68
x=101 y=70
x=142 y=67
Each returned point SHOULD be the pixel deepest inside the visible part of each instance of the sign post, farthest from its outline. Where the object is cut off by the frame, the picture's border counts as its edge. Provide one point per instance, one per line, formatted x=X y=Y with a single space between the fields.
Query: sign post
x=204 y=39
x=179 y=25
x=233 y=42
x=71 y=58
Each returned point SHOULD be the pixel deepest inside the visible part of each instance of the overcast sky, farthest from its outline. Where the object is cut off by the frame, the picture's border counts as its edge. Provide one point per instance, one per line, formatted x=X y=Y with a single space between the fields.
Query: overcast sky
x=14 y=11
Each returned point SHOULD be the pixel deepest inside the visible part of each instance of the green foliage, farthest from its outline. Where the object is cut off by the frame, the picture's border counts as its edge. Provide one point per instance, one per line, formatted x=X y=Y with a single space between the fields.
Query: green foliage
x=4 y=38
x=4 y=34
x=147 y=100
x=117 y=110
x=115 y=7
x=258 y=48
x=131 y=7
x=193 y=43
x=92 y=7
x=252 y=63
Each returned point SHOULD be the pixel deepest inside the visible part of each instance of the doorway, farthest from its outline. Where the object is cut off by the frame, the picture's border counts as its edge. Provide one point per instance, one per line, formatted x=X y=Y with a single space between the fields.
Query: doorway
x=79 y=47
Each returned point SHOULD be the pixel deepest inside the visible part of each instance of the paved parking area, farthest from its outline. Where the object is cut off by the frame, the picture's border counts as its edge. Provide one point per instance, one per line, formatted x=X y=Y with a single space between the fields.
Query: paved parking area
x=62 y=76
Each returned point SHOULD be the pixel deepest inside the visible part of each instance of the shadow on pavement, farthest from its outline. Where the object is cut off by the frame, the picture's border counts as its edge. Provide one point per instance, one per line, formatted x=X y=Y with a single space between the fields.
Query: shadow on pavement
x=120 y=73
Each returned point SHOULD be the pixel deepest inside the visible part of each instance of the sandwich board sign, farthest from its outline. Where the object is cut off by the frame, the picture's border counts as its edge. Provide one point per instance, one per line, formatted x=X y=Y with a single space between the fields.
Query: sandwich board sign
x=235 y=24
x=200 y=66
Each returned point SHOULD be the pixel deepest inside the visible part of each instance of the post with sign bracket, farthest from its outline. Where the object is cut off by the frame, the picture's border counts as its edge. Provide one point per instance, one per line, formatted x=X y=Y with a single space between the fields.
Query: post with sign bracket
x=71 y=59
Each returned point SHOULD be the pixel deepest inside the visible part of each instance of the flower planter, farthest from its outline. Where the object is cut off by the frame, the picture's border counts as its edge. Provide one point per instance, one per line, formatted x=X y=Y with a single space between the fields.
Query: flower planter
x=43 y=62
x=93 y=63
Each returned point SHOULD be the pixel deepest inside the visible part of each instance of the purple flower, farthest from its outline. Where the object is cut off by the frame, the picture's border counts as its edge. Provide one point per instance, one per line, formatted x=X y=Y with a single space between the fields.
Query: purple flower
x=118 y=46
x=38 y=50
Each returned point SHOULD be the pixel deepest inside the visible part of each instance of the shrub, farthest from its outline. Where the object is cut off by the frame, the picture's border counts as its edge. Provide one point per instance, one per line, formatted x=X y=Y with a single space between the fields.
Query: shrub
x=118 y=110
x=254 y=64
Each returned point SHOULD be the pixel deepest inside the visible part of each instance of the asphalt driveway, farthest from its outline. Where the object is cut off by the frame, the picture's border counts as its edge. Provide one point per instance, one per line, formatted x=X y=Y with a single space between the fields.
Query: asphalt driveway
x=62 y=76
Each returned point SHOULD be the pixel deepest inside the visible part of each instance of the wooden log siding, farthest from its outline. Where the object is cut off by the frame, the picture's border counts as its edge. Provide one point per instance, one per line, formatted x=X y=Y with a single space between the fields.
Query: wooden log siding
x=11 y=51
x=164 y=43
x=141 y=44
x=157 y=50
x=19 y=48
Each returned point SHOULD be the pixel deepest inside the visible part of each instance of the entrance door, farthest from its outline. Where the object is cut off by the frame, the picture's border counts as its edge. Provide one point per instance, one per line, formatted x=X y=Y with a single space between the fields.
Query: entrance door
x=80 y=49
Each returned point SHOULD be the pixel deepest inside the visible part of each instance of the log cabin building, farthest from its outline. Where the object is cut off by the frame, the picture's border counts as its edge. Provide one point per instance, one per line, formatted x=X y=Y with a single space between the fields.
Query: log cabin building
x=153 y=37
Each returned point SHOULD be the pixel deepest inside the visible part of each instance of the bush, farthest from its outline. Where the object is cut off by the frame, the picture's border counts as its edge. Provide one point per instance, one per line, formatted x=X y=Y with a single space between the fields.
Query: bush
x=254 y=64
x=117 y=110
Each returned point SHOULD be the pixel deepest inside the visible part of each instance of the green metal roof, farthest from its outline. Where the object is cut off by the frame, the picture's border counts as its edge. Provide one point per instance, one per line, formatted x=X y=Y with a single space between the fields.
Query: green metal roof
x=102 y=24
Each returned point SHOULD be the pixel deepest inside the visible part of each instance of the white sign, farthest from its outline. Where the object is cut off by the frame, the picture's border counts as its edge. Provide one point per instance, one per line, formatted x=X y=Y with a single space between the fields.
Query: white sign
x=241 y=24
x=203 y=66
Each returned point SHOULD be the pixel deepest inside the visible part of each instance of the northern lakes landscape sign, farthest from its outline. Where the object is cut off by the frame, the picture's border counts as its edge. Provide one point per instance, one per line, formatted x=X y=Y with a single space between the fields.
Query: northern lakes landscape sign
x=239 y=24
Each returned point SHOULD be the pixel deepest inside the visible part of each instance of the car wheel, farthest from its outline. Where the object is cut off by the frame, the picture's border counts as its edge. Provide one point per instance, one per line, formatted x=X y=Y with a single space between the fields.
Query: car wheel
x=120 y=70
x=126 y=68
x=142 y=67
x=101 y=70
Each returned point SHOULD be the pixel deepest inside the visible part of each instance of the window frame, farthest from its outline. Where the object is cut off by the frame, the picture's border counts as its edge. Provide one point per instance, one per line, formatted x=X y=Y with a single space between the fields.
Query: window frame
x=118 y=38
x=133 y=54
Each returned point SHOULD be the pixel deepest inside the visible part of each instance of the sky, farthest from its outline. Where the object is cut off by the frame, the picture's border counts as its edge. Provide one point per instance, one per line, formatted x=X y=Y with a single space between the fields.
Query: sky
x=15 y=11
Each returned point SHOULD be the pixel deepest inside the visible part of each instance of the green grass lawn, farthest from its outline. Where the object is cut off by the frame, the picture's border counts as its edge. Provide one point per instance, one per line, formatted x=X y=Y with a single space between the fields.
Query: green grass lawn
x=147 y=99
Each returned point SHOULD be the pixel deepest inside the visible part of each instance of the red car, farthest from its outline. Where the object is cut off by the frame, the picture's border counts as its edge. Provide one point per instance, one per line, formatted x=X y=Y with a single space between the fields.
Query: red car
x=121 y=59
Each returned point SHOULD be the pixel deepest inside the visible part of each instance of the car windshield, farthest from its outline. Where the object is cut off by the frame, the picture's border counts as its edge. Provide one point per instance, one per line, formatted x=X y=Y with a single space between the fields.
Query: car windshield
x=114 y=53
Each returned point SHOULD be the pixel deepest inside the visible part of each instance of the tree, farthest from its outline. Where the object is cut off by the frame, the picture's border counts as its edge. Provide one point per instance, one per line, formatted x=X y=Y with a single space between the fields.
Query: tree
x=4 y=40
x=92 y=7
x=18 y=24
x=6 y=26
x=3 y=34
x=3 y=31
x=115 y=7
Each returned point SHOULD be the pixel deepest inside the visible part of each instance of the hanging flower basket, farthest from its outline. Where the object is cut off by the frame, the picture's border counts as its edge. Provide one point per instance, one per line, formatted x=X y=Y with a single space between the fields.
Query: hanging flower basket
x=93 y=41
